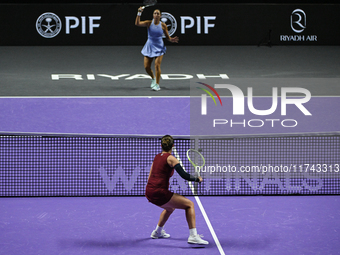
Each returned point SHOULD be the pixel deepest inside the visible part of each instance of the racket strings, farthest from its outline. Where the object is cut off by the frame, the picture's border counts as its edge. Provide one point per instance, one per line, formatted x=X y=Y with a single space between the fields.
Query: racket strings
x=196 y=158
x=149 y=2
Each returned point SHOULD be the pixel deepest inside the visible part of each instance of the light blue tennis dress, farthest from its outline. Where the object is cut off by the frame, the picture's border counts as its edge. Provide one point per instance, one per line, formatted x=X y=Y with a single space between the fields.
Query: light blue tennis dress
x=154 y=46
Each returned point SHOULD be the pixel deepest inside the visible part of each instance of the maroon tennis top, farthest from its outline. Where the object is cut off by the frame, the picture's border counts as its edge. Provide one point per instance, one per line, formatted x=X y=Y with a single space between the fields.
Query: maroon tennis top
x=160 y=173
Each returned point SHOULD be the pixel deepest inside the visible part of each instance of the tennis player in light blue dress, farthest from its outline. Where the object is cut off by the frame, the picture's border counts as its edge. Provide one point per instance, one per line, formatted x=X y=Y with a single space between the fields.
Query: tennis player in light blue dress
x=154 y=48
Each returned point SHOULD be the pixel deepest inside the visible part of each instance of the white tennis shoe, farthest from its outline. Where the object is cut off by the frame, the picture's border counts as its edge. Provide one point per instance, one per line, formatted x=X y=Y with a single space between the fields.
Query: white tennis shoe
x=196 y=239
x=153 y=83
x=156 y=235
x=156 y=87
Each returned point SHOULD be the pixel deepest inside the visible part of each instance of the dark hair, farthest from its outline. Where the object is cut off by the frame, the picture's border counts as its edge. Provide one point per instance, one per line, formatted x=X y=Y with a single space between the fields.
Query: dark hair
x=167 y=142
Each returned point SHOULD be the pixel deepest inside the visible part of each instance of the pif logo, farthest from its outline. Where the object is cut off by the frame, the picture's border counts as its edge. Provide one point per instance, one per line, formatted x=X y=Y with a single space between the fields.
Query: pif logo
x=170 y=22
x=298 y=20
x=239 y=98
x=49 y=25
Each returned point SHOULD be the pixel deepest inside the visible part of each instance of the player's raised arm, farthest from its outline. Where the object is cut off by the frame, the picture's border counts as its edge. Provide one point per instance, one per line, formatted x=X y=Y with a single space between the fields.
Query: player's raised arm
x=140 y=23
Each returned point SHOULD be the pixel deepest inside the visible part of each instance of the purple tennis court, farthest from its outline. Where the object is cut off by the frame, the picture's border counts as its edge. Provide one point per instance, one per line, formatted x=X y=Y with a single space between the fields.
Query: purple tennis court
x=73 y=186
x=78 y=140
x=122 y=225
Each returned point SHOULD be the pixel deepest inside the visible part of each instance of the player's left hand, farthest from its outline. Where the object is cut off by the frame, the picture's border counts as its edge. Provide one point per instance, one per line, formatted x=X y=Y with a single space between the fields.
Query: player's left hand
x=174 y=39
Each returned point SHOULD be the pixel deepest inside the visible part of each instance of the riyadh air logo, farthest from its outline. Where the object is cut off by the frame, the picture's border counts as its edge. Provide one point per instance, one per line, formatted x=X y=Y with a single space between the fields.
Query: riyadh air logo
x=298 y=20
x=170 y=22
x=48 y=25
x=204 y=97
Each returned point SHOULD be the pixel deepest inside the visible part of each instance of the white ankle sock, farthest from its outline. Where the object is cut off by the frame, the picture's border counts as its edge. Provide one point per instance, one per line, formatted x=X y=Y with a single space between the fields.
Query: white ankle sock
x=193 y=231
x=159 y=229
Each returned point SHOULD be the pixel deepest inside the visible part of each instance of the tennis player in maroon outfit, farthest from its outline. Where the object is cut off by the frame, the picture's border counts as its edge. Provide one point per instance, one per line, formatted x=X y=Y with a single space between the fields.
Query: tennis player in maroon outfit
x=157 y=191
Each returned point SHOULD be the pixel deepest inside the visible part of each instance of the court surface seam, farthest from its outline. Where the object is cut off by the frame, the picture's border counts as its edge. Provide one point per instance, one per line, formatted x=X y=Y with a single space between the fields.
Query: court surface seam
x=198 y=201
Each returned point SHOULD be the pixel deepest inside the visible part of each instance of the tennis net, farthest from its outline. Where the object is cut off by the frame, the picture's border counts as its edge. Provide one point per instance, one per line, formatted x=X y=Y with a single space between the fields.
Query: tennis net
x=56 y=165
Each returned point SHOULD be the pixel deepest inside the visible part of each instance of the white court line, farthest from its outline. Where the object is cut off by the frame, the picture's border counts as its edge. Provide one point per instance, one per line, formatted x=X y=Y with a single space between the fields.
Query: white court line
x=150 y=97
x=212 y=231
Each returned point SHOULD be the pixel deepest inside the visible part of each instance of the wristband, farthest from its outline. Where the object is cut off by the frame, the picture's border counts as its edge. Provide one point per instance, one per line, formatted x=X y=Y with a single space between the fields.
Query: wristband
x=139 y=13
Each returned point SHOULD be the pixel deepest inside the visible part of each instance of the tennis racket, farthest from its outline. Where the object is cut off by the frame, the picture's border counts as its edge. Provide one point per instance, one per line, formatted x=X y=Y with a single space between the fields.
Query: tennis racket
x=148 y=3
x=197 y=160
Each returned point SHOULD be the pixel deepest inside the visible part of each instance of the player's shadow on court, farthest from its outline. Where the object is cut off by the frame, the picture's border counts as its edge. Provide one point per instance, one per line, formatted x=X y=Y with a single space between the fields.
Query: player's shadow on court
x=100 y=243
x=248 y=243
x=130 y=244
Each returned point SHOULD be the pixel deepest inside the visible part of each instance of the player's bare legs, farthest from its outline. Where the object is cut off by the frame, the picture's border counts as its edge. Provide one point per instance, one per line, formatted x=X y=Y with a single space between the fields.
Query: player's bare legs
x=179 y=202
x=165 y=216
x=158 y=62
x=147 y=66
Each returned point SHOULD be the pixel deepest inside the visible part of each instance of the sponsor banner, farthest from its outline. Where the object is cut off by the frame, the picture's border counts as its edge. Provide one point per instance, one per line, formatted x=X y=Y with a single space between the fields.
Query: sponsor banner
x=113 y=24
